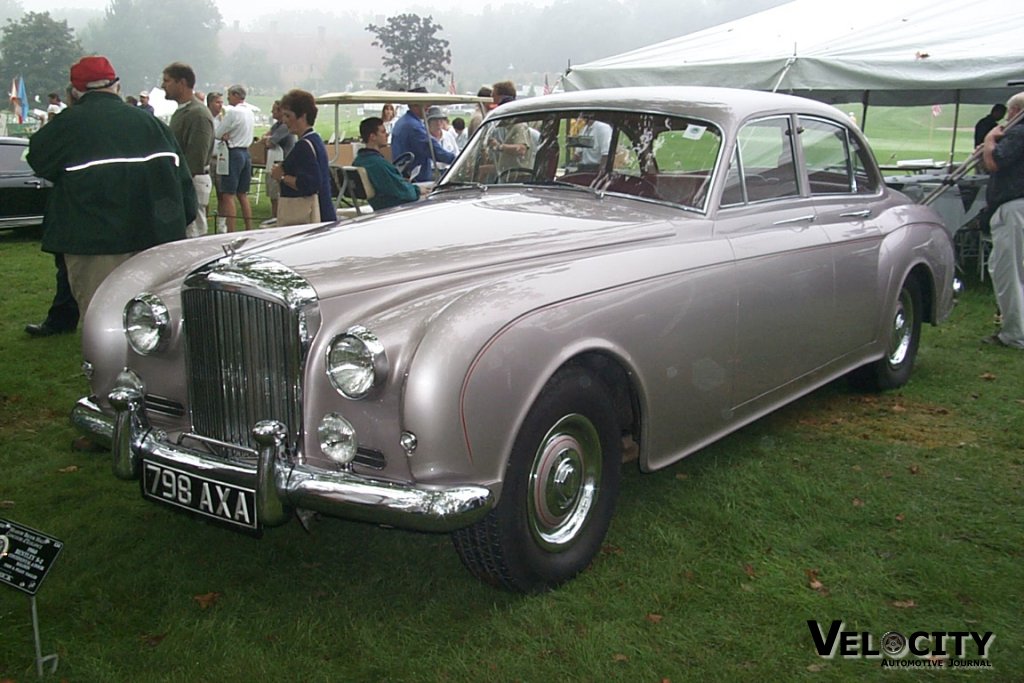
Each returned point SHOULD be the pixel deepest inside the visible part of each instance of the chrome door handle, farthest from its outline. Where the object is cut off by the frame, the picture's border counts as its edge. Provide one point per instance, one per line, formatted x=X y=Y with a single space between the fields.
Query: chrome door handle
x=863 y=213
x=809 y=218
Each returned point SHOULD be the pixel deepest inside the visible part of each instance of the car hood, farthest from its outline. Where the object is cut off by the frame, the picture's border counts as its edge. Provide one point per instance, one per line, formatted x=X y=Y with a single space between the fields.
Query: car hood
x=447 y=235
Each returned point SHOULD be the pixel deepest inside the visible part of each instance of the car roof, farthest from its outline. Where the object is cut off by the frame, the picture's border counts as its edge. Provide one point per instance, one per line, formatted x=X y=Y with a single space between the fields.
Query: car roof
x=723 y=105
x=7 y=140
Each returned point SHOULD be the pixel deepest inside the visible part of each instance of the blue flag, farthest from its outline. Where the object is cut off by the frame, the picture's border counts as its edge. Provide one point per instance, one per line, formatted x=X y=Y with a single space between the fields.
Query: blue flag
x=23 y=99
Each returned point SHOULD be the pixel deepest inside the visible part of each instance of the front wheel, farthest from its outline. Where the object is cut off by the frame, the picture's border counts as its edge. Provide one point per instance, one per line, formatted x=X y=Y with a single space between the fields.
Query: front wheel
x=904 y=335
x=559 y=492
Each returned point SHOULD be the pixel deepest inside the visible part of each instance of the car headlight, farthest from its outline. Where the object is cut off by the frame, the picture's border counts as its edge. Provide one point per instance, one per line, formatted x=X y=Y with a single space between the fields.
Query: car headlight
x=356 y=362
x=147 y=325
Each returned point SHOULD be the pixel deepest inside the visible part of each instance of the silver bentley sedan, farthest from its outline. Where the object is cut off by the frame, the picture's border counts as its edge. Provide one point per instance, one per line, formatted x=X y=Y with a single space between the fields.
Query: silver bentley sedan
x=650 y=268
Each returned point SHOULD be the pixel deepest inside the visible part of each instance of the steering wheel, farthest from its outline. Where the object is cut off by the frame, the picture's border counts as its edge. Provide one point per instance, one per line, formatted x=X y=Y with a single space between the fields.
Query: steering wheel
x=516 y=174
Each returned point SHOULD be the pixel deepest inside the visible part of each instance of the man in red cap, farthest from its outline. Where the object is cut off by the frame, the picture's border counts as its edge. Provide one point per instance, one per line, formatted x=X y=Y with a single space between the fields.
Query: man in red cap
x=120 y=184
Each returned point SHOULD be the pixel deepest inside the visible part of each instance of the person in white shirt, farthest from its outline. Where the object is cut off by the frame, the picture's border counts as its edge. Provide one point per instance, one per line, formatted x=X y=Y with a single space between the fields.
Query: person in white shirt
x=55 y=106
x=436 y=120
x=593 y=158
x=236 y=130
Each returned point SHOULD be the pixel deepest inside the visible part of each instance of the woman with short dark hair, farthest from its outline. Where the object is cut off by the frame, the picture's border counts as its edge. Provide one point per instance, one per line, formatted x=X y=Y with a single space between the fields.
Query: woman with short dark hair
x=304 y=175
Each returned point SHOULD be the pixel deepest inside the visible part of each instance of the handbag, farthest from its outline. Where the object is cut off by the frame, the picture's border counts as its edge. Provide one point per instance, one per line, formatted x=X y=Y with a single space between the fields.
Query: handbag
x=298 y=210
x=223 y=158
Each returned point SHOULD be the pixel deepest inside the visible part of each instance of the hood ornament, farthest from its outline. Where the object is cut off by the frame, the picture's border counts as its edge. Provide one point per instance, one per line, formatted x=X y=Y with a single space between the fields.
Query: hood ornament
x=232 y=247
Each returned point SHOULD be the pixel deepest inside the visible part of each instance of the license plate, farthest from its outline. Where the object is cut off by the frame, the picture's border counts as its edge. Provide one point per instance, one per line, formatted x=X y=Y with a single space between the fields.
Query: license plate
x=227 y=503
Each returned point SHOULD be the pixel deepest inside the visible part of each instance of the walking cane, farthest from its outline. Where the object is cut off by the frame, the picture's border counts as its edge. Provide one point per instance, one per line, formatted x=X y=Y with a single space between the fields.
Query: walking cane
x=964 y=168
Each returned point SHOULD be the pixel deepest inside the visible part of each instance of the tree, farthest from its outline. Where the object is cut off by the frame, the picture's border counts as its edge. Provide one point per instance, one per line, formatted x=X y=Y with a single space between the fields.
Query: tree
x=141 y=37
x=414 y=55
x=41 y=50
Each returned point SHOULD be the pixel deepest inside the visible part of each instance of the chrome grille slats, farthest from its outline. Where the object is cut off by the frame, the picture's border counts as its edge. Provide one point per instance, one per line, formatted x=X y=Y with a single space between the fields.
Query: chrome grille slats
x=244 y=358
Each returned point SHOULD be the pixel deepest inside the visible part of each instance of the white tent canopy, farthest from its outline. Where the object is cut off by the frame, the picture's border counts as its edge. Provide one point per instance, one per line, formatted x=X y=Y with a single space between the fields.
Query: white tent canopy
x=887 y=53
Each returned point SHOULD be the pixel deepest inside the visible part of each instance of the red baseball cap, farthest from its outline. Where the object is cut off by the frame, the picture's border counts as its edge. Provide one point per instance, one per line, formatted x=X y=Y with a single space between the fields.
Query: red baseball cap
x=89 y=73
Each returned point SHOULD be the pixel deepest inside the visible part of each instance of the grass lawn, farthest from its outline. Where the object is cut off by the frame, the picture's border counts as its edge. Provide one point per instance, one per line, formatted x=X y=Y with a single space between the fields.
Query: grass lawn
x=899 y=511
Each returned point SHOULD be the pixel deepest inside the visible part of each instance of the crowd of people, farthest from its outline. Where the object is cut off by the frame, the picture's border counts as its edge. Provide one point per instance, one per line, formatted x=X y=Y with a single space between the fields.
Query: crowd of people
x=166 y=175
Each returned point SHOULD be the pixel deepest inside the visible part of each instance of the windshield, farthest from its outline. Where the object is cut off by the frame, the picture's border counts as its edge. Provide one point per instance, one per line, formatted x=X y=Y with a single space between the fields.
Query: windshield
x=649 y=156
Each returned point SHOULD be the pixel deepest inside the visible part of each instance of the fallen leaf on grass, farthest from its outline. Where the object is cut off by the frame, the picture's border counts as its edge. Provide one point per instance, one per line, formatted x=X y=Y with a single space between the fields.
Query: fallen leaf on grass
x=897 y=408
x=619 y=657
x=152 y=640
x=207 y=599
x=914 y=469
x=815 y=668
x=987 y=376
x=609 y=549
x=903 y=604
x=748 y=569
x=858 y=503
x=900 y=517
x=654 y=618
x=69 y=469
x=682 y=476
x=6 y=505
x=813 y=582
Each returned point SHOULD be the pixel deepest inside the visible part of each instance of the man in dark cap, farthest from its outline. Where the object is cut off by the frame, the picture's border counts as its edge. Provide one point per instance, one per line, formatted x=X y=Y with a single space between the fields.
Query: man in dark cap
x=119 y=182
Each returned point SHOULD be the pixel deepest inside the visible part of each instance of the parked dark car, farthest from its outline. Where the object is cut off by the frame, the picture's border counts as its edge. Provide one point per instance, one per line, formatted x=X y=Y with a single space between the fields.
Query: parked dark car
x=22 y=195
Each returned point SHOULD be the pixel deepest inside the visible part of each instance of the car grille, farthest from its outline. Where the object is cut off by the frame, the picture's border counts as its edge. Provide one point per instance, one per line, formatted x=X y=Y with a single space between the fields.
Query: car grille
x=244 y=357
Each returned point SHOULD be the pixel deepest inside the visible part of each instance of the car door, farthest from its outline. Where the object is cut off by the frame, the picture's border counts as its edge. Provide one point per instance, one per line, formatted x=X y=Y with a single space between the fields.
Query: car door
x=783 y=268
x=22 y=194
x=845 y=186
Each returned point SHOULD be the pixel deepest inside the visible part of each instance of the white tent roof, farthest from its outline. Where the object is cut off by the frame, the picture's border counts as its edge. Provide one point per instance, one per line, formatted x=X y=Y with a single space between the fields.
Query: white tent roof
x=894 y=52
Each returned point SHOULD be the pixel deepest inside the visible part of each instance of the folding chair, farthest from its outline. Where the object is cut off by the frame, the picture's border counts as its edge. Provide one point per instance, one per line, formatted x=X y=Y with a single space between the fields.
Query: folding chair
x=355 y=188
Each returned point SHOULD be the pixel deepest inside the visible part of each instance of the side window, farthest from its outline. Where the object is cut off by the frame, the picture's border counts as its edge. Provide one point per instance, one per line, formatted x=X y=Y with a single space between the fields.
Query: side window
x=865 y=182
x=827 y=155
x=762 y=166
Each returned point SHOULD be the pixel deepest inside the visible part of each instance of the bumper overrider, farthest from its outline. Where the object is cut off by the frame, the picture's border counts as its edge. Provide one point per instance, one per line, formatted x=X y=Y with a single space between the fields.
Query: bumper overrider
x=281 y=486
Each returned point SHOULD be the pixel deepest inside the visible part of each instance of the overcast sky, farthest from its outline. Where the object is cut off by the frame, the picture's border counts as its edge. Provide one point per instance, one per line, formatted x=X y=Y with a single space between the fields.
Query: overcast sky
x=246 y=10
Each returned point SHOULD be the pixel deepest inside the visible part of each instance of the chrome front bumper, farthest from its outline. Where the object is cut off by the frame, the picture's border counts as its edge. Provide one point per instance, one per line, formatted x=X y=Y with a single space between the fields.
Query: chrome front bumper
x=281 y=486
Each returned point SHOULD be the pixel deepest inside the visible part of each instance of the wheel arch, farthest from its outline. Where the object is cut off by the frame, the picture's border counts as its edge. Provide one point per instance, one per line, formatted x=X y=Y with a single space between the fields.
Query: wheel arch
x=611 y=366
x=925 y=280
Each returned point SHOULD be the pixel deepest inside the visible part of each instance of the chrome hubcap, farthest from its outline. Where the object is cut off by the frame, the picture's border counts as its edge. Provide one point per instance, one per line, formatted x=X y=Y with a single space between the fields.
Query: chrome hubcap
x=902 y=330
x=564 y=481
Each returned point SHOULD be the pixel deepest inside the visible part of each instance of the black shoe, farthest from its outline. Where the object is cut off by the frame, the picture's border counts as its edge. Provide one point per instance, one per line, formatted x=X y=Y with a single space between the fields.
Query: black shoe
x=44 y=329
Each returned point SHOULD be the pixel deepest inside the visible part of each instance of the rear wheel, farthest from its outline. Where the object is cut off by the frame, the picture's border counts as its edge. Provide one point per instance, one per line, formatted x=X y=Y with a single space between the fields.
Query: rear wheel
x=559 y=491
x=904 y=335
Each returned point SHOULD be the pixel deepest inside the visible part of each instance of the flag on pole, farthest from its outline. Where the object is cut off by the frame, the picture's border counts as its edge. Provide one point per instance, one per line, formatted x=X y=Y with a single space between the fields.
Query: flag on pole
x=15 y=100
x=451 y=86
x=23 y=114
x=547 y=87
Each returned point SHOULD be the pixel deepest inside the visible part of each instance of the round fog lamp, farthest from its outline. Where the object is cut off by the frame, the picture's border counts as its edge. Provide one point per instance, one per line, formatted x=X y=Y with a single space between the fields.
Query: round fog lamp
x=337 y=438
x=146 y=324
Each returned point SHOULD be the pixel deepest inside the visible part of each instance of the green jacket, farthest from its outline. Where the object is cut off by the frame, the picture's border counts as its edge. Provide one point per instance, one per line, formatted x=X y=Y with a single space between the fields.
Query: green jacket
x=390 y=187
x=120 y=182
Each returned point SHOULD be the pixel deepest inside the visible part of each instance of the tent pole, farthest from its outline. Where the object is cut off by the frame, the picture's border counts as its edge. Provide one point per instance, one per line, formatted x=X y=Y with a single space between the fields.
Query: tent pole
x=956 y=127
x=864 y=109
